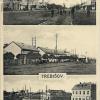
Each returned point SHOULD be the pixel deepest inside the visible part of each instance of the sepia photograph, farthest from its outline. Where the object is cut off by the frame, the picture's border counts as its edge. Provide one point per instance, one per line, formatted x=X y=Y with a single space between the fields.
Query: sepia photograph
x=49 y=12
x=40 y=49
x=31 y=88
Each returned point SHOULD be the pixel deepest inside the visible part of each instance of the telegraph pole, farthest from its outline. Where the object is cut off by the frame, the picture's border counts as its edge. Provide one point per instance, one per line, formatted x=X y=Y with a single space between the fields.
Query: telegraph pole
x=86 y=57
x=46 y=91
x=56 y=42
x=34 y=41
x=30 y=93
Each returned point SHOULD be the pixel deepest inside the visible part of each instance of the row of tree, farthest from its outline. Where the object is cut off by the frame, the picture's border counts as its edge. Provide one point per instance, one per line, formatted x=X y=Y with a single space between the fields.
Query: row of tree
x=9 y=58
x=31 y=55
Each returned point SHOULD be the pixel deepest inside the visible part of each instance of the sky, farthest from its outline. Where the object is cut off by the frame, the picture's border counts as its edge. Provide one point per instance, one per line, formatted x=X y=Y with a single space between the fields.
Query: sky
x=68 y=3
x=18 y=82
x=71 y=39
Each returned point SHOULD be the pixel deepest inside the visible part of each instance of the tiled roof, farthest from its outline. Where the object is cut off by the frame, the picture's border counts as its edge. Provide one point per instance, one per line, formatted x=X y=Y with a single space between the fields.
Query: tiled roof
x=82 y=86
x=52 y=51
x=25 y=46
x=57 y=92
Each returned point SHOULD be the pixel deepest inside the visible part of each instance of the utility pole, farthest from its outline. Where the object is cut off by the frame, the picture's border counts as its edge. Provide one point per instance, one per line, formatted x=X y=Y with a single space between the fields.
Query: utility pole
x=30 y=93
x=56 y=42
x=86 y=57
x=34 y=41
x=25 y=91
x=46 y=91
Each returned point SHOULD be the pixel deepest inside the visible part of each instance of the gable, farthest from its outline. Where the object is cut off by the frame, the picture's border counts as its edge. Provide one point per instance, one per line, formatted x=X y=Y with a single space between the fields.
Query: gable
x=12 y=47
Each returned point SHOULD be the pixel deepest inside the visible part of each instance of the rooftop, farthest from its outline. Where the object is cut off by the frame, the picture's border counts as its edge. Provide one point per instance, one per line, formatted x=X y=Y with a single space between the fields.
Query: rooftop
x=52 y=51
x=82 y=86
x=24 y=46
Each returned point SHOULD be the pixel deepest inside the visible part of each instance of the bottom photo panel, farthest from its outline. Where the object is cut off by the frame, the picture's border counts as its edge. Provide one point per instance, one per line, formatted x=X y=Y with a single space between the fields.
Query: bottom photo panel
x=32 y=88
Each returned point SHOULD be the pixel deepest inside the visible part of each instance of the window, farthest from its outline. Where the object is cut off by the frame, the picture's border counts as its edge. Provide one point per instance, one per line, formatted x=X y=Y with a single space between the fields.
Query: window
x=80 y=92
x=73 y=98
x=83 y=92
x=83 y=99
x=79 y=98
x=73 y=92
x=76 y=92
x=87 y=92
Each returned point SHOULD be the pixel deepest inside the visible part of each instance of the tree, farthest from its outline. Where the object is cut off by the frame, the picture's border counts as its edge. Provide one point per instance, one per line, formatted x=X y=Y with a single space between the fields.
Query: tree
x=52 y=56
x=45 y=56
x=33 y=55
x=9 y=56
x=54 y=6
x=19 y=56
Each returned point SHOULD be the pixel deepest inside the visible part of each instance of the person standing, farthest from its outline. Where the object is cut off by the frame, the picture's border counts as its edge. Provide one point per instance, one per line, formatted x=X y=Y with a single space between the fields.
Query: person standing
x=72 y=12
x=88 y=10
x=52 y=12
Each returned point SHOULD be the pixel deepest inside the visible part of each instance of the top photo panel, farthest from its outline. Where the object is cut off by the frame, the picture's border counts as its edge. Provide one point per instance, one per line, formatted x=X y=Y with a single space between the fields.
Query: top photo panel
x=49 y=12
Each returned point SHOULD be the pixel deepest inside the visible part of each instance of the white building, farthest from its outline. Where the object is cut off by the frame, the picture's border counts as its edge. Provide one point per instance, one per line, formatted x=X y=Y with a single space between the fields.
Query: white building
x=12 y=4
x=20 y=48
x=84 y=91
x=89 y=4
x=24 y=4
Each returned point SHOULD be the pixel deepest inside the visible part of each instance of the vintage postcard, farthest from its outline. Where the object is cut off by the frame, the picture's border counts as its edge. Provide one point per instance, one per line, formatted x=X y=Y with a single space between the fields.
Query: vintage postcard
x=49 y=50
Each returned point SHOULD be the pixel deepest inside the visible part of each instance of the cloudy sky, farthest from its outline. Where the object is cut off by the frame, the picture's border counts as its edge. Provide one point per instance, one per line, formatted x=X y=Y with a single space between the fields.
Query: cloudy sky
x=19 y=82
x=70 y=38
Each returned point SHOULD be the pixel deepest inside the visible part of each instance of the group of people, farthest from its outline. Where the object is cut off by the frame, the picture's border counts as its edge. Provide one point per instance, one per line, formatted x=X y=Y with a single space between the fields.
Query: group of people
x=71 y=12
x=58 y=12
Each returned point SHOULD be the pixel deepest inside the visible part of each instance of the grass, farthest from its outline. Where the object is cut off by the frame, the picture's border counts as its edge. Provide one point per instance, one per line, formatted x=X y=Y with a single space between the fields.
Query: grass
x=44 y=17
x=71 y=68
x=24 y=18
x=81 y=18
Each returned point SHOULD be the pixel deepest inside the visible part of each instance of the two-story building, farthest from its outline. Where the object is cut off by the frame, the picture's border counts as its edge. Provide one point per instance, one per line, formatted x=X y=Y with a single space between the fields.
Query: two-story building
x=84 y=91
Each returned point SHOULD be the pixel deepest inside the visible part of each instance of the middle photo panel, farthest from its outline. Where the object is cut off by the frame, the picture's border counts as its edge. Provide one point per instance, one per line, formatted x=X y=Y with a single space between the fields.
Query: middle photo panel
x=45 y=49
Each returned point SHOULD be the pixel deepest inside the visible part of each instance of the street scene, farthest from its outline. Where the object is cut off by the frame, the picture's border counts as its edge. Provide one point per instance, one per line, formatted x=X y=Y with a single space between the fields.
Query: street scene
x=49 y=12
x=34 y=54
x=37 y=90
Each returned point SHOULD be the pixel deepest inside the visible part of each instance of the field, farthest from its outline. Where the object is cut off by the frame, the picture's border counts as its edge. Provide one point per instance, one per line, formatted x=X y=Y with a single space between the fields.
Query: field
x=45 y=18
x=71 y=68
x=81 y=18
